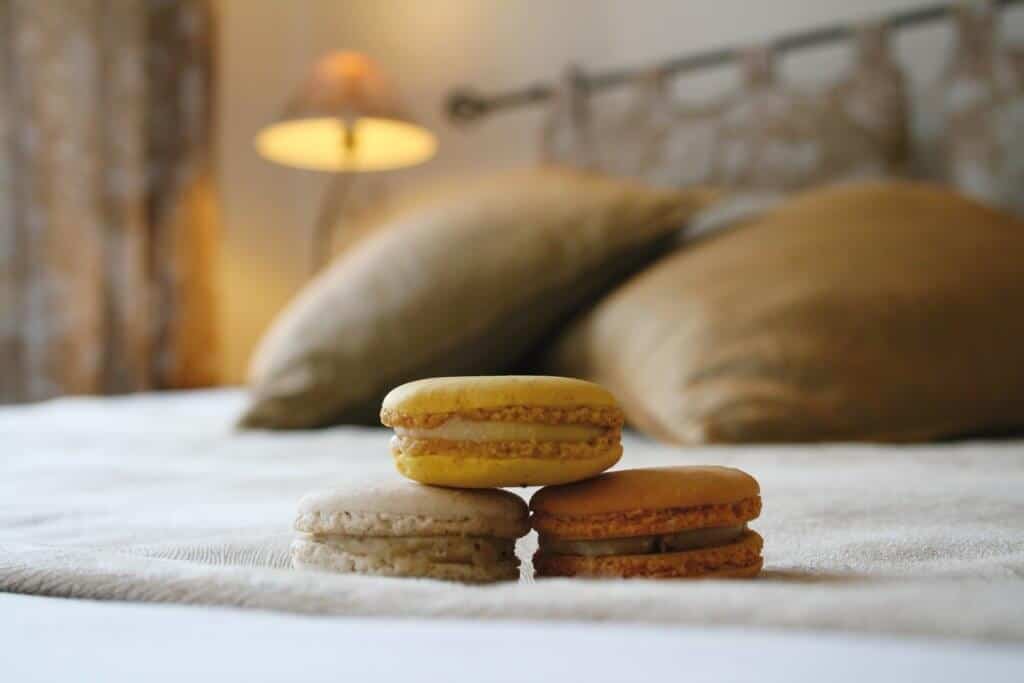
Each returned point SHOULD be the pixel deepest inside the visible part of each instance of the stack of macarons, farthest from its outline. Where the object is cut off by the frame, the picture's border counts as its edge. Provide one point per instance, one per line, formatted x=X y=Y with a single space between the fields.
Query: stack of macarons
x=462 y=438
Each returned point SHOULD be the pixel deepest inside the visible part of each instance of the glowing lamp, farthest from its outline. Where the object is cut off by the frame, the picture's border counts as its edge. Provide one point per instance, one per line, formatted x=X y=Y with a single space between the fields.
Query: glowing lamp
x=344 y=119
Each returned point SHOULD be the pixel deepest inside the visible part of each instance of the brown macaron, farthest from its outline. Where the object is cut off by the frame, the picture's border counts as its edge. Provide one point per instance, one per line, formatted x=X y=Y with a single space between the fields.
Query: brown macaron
x=665 y=522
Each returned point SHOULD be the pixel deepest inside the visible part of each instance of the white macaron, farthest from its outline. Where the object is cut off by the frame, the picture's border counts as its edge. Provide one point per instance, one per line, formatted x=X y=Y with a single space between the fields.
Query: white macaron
x=401 y=528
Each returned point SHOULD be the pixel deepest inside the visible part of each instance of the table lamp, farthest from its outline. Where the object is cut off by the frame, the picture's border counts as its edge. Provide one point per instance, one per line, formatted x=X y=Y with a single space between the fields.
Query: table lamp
x=344 y=119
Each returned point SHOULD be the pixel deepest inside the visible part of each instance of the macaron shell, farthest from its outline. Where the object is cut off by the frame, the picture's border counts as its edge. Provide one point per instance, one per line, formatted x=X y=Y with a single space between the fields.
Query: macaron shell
x=401 y=562
x=460 y=394
x=646 y=522
x=398 y=525
x=647 y=489
x=404 y=508
x=739 y=559
x=463 y=470
x=738 y=573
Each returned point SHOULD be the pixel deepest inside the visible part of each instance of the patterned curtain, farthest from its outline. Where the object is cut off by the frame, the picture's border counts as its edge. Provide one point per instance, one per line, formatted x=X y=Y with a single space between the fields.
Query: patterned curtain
x=107 y=213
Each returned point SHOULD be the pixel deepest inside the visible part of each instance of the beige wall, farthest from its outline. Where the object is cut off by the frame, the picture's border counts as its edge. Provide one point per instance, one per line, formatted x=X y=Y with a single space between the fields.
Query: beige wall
x=429 y=46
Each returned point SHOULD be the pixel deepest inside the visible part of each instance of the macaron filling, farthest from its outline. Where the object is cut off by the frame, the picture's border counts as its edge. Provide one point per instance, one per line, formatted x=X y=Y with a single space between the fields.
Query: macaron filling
x=459 y=429
x=692 y=539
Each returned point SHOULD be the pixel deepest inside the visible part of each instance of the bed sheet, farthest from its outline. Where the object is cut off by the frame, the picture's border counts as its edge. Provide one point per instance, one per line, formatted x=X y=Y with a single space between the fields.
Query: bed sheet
x=157 y=498
x=50 y=639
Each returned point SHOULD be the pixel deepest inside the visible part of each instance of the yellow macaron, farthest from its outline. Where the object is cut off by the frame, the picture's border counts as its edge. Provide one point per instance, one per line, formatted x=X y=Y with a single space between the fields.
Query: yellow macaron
x=479 y=432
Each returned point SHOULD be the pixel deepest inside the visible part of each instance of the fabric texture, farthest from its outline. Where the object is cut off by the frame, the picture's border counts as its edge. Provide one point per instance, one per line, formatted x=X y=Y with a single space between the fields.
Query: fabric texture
x=466 y=282
x=868 y=311
x=107 y=218
x=156 y=498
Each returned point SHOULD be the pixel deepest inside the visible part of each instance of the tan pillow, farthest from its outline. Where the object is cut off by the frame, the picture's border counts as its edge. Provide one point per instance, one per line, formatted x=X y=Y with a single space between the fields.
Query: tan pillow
x=466 y=282
x=875 y=311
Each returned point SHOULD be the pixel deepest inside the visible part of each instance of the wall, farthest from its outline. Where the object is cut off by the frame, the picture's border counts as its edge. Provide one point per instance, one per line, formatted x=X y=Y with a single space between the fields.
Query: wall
x=430 y=46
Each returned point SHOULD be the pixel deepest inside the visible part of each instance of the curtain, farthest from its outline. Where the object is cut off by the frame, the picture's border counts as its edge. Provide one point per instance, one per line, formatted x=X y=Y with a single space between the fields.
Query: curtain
x=107 y=206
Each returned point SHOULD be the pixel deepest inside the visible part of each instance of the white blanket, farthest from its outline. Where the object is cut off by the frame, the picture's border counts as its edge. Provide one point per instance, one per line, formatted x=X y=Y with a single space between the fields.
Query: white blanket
x=156 y=498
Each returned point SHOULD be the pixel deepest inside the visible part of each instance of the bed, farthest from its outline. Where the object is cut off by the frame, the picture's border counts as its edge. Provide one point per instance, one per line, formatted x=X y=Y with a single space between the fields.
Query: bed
x=886 y=556
x=218 y=642
x=146 y=536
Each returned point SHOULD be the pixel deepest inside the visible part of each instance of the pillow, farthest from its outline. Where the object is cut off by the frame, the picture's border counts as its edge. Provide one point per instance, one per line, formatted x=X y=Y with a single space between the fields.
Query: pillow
x=465 y=282
x=870 y=311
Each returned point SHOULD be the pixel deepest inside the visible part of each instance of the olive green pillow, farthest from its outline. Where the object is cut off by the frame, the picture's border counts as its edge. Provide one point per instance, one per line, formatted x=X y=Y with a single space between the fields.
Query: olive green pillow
x=874 y=311
x=467 y=281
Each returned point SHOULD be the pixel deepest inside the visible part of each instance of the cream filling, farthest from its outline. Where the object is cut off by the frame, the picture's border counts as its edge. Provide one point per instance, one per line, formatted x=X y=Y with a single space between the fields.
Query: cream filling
x=644 y=545
x=457 y=429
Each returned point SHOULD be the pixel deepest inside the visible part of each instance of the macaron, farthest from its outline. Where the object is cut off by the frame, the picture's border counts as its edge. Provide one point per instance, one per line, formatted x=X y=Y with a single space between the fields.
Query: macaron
x=404 y=529
x=665 y=522
x=477 y=432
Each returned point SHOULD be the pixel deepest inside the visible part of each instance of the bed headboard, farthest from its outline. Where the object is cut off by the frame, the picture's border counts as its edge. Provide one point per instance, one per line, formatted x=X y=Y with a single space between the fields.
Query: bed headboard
x=768 y=134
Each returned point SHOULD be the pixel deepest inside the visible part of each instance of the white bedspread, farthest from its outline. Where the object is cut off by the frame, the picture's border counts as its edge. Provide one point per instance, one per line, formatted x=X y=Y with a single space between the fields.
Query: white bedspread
x=156 y=498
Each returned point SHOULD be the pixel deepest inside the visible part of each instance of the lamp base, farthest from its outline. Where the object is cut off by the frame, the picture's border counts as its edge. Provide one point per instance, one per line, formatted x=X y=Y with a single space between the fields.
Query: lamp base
x=331 y=206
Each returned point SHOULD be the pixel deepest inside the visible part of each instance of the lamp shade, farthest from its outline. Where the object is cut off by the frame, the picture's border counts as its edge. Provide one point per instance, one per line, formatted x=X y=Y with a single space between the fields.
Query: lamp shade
x=346 y=117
